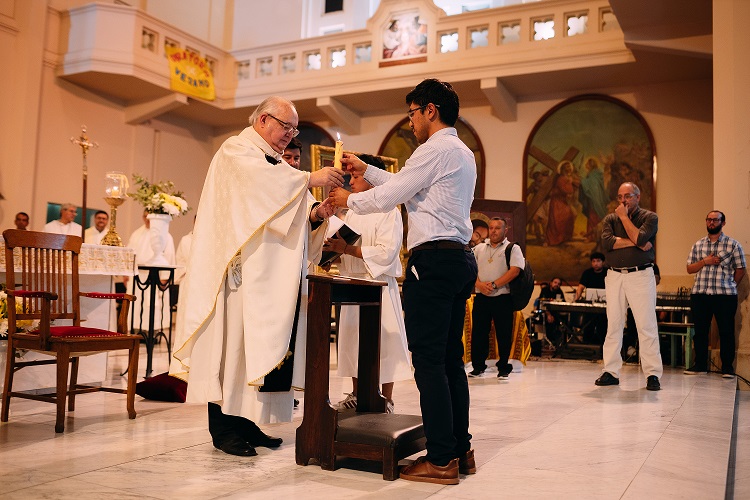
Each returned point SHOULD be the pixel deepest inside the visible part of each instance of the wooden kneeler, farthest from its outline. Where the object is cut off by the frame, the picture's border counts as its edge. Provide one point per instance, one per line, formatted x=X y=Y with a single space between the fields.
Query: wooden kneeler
x=369 y=433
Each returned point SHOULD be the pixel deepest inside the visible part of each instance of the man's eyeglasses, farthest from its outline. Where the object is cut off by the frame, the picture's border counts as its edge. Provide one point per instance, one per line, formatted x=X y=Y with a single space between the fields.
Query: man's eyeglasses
x=411 y=112
x=709 y=219
x=625 y=196
x=288 y=127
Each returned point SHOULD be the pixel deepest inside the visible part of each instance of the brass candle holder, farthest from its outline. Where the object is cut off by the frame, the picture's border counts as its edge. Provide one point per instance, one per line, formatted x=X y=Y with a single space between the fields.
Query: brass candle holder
x=116 y=186
x=113 y=239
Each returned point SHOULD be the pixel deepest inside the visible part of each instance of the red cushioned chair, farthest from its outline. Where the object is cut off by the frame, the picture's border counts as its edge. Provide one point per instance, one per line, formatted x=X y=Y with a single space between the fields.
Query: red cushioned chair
x=42 y=276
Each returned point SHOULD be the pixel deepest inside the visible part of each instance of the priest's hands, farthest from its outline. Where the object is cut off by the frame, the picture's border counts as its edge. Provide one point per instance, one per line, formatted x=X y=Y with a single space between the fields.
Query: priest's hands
x=326 y=176
x=323 y=211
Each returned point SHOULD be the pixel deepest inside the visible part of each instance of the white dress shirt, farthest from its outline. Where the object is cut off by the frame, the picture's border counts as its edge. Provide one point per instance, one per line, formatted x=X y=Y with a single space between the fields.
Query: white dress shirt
x=436 y=184
x=57 y=227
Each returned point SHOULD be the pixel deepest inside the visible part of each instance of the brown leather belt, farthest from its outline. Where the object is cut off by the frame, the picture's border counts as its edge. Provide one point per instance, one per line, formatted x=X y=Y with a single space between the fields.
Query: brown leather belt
x=441 y=245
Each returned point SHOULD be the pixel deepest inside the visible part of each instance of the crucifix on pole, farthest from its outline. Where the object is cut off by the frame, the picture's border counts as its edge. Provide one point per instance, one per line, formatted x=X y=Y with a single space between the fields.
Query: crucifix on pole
x=85 y=144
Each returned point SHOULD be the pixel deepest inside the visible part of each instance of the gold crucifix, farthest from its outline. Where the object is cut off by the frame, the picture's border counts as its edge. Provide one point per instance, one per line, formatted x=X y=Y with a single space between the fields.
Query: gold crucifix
x=85 y=144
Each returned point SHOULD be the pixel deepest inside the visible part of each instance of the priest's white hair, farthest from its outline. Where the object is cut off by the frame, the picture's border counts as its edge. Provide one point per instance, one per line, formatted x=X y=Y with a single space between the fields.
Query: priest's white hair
x=272 y=105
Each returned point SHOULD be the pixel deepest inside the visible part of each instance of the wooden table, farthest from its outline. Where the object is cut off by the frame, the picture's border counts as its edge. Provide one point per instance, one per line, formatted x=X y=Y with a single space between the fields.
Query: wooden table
x=369 y=433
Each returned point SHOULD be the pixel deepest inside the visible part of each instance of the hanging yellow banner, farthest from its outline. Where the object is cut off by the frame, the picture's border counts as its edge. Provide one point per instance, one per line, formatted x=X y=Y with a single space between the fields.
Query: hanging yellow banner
x=189 y=73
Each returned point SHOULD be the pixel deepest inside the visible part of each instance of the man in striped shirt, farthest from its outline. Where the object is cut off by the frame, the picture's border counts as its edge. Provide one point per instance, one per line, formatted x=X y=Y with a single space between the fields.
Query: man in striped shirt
x=437 y=186
x=719 y=262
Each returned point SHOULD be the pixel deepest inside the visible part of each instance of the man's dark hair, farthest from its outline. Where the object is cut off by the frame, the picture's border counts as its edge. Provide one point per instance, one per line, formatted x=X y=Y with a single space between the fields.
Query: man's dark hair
x=723 y=217
x=373 y=160
x=101 y=212
x=22 y=213
x=295 y=144
x=475 y=223
x=441 y=94
x=597 y=255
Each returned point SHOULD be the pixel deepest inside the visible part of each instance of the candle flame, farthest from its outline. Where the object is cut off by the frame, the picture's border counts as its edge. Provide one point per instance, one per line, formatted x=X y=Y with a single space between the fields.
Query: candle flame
x=338 y=136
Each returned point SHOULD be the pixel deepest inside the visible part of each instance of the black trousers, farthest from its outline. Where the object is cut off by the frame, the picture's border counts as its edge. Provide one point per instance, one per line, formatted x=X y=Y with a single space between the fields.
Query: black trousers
x=437 y=284
x=704 y=308
x=486 y=310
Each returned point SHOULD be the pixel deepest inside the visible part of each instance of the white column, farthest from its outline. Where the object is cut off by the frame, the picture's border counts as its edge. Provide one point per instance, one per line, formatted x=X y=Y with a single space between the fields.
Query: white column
x=731 y=80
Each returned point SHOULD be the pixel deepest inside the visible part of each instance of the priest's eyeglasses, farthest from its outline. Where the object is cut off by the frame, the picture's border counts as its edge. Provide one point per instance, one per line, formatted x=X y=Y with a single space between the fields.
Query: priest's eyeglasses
x=288 y=127
x=711 y=219
x=625 y=196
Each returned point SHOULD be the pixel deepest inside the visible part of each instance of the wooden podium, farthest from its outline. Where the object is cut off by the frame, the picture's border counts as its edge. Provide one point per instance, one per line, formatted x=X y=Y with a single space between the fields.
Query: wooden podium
x=369 y=433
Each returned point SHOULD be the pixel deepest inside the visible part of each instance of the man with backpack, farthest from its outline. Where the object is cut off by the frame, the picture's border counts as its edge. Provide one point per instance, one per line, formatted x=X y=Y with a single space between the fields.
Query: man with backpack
x=493 y=301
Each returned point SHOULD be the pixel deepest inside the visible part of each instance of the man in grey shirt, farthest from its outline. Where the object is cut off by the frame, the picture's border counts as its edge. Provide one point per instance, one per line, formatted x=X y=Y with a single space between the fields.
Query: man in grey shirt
x=628 y=236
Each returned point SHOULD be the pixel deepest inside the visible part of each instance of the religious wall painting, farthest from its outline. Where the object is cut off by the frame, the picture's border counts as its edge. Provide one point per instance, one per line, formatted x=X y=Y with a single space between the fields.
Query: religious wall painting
x=400 y=143
x=404 y=39
x=576 y=157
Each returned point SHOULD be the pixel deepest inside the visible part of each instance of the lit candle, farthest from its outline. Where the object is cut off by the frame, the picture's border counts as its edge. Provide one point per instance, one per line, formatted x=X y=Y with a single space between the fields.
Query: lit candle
x=115 y=191
x=338 y=152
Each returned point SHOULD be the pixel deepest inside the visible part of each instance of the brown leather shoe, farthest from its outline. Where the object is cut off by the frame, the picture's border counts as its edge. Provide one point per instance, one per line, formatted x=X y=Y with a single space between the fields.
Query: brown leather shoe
x=427 y=472
x=466 y=463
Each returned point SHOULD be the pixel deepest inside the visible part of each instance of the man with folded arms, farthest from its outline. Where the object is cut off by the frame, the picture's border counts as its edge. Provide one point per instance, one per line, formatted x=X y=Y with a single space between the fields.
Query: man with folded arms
x=628 y=236
x=437 y=187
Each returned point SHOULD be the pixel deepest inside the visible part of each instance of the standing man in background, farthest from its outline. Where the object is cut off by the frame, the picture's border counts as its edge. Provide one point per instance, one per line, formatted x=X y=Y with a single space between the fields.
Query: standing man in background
x=492 y=302
x=628 y=236
x=719 y=262
x=96 y=233
x=21 y=221
x=437 y=187
x=66 y=223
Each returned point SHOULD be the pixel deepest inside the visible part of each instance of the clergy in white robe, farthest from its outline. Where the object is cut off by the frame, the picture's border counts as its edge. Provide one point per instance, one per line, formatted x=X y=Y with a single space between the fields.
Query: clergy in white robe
x=375 y=256
x=181 y=259
x=96 y=233
x=140 y=242
x=66 y=223
x=242 y=305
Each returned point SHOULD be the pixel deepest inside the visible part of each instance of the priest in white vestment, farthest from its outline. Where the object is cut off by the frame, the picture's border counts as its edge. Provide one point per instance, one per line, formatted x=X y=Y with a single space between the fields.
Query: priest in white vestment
x=376 y=255
x=242 y=311
x=66 y=223
x=140 y=242
x=96 y=233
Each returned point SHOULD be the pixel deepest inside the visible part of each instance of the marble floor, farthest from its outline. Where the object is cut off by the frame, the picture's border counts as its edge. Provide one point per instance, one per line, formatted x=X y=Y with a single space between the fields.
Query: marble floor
x=546 y=432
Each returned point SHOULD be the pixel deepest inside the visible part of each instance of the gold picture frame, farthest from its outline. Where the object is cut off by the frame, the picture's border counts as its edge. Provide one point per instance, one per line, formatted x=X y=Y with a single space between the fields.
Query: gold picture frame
x=322 y=156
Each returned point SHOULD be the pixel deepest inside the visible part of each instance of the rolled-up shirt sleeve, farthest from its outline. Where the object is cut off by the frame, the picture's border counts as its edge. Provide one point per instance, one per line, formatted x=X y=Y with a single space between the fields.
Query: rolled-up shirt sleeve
x=648 y=229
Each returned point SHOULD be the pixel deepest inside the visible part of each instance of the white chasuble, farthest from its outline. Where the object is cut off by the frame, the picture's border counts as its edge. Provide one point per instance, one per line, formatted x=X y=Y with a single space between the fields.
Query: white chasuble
x=234 y=327
x=382 y=235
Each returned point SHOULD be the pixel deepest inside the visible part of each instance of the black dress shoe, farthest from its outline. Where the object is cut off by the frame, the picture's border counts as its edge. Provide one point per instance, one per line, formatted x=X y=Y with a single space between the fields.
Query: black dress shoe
x=256 y=437
x=652 y=383
x=236 y=446
x=608 y=379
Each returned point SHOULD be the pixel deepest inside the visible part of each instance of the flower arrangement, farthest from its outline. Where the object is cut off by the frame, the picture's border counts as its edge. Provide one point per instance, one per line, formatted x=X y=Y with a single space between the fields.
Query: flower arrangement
x=24 y=325
x=160 y=197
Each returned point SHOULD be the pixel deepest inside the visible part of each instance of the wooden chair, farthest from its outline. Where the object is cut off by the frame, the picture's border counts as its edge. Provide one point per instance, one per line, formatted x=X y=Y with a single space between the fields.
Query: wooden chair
x=46 y=288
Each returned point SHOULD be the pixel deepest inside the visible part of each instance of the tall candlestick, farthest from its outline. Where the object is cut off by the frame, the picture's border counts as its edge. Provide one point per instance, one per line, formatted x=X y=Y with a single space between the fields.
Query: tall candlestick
x=337 y=153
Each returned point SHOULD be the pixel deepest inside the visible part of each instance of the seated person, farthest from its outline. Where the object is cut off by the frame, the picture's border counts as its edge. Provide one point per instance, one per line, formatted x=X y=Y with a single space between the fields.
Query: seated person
x=551 y=291
x=595 y=330
x=376 y=255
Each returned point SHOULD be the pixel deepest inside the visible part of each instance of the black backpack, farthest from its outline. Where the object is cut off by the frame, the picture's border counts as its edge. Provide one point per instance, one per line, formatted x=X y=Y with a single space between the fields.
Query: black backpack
x=522 y=285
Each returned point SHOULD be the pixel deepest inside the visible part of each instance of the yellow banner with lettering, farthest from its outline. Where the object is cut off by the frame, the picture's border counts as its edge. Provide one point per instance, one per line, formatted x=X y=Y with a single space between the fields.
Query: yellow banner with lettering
x=189 y=73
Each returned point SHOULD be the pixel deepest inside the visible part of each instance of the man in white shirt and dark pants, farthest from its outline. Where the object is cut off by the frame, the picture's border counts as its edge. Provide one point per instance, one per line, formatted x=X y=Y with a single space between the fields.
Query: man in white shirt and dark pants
x=492 y=301
x=437 y=187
